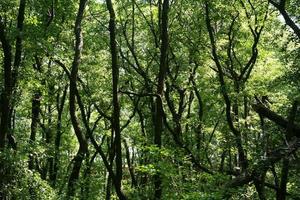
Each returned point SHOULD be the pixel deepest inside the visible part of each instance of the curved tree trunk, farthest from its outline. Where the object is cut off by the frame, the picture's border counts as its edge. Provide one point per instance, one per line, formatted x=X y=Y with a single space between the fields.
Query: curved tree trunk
x=83 y=146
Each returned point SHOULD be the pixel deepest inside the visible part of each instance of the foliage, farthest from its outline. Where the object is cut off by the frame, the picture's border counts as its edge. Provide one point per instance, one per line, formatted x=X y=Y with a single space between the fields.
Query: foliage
x=227 y=93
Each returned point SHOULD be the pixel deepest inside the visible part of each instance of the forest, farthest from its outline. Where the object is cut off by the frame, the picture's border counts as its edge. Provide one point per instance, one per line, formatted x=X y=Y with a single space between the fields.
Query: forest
x=149 y=99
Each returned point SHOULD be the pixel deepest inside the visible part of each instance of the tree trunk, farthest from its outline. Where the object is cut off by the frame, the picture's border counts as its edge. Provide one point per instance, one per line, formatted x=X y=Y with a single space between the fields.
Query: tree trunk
x=116 y=106
x=108 y=187
x=10 y=72
x=6 y=94
x=129 y=164
x=60 y=107
x=85 y=190
x=35 y=112
x=83 y=146
x=281 y=193
x=160 y=90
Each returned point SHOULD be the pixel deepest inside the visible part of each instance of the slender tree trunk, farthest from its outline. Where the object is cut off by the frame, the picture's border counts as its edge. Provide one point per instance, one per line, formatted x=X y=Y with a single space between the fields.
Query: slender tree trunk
x=108 y=187
x=35 y=112
x=111 y=157
x=200 y=116
x=160 y=90
x=116 y=106
x=11 y=139
x=129 y=164
x=142 y=177
x=281 y=193
x=85 y=190
x=48 y=168
x=83 y=146
x=60 y=107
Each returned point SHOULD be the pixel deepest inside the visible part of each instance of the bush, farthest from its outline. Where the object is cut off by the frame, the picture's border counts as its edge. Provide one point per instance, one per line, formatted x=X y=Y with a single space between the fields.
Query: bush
x=18 y=182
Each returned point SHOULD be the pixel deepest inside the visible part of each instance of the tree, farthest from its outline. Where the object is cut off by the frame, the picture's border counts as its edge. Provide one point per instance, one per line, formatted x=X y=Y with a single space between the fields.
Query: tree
x=163 y=99
x=11 y=68
x=83 y=145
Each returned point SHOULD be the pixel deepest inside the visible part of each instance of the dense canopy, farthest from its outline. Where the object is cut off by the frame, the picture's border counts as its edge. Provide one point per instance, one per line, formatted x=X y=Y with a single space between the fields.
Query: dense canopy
x=150 y=99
